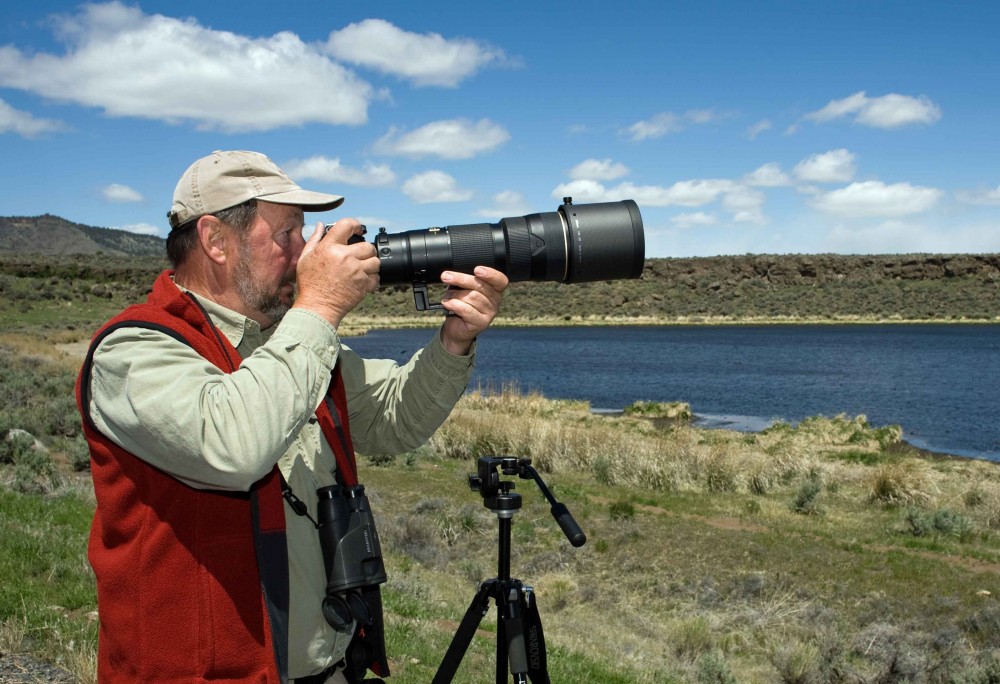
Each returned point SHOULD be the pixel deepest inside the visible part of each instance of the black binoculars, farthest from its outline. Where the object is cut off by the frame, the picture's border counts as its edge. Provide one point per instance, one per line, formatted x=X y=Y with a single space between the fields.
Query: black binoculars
x=351 y=552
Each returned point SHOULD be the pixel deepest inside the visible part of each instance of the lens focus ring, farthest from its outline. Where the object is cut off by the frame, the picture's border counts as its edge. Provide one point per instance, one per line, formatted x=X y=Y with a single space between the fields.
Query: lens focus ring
x=472 y=247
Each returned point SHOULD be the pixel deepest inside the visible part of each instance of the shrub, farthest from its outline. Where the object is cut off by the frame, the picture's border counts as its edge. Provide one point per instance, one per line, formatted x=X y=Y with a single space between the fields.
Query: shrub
x=806 y=499
x=672 y=410
x=974 y=497
x=75 y=451
x=34 y=471
x=722 y=474
x=984 y=624
x=943 y=522
x=15 y=446
x=796 y=663
x=713 y=669
x=691 y=637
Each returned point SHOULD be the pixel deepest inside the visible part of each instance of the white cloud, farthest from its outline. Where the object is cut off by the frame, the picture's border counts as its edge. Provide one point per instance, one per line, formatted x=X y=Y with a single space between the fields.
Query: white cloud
x=374 y=223
x=24 y=123
x=435 y=186
x=130 y=64
x=758 y=128
x=121 y=194
x=330 y=170
x=874 y=198
x=768 y=176
x=889 y=111
x=705 y=116
x=598 y=169
x=427 y=59
x=835 y=166
x=746 y=205
x=141 y=228
x=656 y=127
x=668 y=122
x=990 y=196
x=584 y=191
x=690 y=193
x=506 y=203
x=448 y=139
x=693 y=220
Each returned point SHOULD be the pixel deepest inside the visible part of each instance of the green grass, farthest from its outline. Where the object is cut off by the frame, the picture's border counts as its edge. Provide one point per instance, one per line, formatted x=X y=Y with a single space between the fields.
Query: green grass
x=47 y=592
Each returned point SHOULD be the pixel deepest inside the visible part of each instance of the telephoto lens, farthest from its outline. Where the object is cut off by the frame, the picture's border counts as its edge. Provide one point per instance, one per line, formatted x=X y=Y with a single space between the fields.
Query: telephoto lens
x=576 y=243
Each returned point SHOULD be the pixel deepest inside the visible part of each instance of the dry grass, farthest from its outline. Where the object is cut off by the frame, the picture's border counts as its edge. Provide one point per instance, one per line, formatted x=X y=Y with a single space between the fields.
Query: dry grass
x=634 y=451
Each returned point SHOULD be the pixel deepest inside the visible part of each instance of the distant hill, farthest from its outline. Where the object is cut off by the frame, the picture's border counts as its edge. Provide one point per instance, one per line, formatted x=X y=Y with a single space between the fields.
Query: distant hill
x=47 y=260
x=50 y=235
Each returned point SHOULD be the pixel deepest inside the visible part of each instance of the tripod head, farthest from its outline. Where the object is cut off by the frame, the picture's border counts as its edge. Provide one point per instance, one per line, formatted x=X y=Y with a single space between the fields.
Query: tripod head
x=499 y=497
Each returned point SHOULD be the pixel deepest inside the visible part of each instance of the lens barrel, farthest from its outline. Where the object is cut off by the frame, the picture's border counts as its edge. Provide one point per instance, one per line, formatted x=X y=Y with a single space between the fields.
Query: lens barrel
x=574 y=244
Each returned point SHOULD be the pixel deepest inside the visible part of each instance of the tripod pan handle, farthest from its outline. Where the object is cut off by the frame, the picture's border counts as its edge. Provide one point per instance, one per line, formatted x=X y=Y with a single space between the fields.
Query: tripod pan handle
x=568 y=525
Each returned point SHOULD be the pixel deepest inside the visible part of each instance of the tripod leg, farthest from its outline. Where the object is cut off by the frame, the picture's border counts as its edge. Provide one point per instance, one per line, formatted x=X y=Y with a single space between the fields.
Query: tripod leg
x=466 y=630
x=512 y=636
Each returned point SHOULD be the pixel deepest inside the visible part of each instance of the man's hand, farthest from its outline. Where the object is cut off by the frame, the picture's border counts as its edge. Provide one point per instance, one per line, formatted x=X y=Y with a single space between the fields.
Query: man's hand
x=475 y=301
x=333 y=276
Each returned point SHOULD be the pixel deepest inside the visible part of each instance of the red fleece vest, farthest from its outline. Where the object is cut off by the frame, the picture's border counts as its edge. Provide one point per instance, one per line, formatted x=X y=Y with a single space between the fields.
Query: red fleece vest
x=192 y=584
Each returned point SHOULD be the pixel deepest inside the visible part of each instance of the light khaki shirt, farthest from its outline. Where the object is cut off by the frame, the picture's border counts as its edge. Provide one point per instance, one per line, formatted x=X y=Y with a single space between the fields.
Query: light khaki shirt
x=161 y=401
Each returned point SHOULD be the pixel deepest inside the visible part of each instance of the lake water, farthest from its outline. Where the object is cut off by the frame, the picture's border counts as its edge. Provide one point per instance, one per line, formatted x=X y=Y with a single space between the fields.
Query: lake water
x=939 y=382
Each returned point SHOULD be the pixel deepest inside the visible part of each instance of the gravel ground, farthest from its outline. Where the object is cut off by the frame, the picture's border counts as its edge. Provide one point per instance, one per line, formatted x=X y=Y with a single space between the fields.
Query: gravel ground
x=25 y=669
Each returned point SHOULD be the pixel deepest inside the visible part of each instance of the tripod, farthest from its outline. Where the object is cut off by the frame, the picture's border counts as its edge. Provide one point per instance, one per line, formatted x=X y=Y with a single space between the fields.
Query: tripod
x=517 y=612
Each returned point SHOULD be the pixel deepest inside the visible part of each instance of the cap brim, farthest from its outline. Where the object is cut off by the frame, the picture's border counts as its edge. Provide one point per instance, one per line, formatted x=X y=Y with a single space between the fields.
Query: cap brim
x=307 y=199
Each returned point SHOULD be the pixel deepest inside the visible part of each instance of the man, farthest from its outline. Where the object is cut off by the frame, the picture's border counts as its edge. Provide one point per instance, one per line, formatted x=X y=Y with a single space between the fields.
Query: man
x=224 y=400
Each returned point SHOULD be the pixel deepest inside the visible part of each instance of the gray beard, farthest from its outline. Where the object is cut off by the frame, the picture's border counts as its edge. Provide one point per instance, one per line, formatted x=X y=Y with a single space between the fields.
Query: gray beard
x=255 y=296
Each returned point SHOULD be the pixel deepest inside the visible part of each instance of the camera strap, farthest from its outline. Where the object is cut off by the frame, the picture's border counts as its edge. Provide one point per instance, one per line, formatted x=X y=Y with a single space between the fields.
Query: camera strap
x=367 y=649
x=332 y=416
x=534 y=639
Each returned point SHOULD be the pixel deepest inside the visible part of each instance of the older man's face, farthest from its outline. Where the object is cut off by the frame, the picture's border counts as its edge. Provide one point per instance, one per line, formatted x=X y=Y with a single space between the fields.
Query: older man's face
x=265 y=274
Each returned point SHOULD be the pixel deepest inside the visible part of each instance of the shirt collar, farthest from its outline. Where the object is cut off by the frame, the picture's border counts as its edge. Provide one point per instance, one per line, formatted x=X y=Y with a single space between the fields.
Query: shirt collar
x=236 y=327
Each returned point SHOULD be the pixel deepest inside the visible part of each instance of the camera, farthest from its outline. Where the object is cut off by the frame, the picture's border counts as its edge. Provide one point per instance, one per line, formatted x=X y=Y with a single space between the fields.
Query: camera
x=576 y=243
x=351 y=552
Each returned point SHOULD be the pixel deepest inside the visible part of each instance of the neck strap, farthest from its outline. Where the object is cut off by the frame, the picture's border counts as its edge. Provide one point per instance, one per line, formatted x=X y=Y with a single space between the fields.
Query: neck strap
x=332 y=415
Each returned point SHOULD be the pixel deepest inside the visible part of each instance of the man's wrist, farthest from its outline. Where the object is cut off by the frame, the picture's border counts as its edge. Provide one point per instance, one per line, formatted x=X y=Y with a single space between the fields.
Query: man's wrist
x=327 y=313
x=456 y=346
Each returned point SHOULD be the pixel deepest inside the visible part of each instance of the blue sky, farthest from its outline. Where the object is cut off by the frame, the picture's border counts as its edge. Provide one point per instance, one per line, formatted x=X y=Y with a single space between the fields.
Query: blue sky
x=738 y=127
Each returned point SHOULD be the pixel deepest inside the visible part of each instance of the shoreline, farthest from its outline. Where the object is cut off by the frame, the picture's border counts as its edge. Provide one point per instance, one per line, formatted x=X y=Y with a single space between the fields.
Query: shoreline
x=354 y=326
x=757 y=424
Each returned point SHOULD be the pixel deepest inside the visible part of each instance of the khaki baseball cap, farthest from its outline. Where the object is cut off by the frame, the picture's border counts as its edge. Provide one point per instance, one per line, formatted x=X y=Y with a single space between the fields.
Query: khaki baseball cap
x=224 y=179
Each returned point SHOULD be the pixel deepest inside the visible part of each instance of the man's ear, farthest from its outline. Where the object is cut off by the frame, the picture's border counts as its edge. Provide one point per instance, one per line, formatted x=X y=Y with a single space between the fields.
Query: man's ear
x=215 y=239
